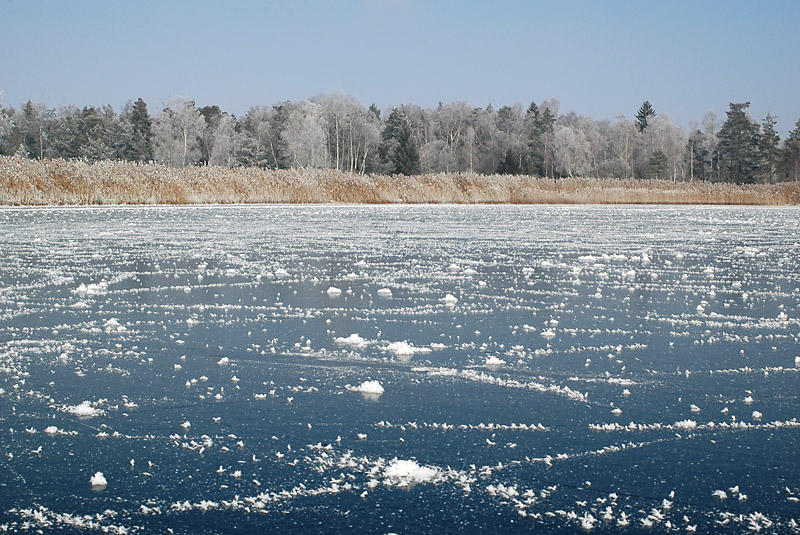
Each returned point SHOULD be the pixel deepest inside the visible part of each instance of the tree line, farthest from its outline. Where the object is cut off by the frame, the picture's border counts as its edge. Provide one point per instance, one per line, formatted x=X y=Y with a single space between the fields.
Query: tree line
x=337 y=131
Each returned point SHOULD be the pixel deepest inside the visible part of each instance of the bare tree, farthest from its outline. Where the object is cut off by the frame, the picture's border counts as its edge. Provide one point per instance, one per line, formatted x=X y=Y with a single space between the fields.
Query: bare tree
x=177 y=132
x=571 y=151
x=224 y=143
x=305 y=137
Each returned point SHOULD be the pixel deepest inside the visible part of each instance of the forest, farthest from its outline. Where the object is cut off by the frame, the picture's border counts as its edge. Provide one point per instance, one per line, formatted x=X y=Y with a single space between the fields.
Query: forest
x=340 y=133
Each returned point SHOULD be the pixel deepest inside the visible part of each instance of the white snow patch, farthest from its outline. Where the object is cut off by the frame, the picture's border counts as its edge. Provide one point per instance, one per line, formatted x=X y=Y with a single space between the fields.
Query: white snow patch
x=494 y=362
x=98 y=480
x=450 y=299
x=353 y=340
x=368 y=387
x=686 y=425
x=404 y=349
x=407 y=473
x=84 y=409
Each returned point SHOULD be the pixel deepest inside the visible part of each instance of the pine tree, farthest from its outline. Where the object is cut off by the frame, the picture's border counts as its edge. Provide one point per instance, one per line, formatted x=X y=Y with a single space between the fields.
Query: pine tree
x=738 y=145
x=645 y=112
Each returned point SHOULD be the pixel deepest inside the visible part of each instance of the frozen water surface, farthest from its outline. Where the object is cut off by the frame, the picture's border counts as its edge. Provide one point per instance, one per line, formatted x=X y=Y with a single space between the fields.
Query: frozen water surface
x=400 y=369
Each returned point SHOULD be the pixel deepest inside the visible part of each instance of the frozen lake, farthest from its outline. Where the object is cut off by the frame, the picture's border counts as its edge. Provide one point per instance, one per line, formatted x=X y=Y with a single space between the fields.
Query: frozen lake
x=400 y=369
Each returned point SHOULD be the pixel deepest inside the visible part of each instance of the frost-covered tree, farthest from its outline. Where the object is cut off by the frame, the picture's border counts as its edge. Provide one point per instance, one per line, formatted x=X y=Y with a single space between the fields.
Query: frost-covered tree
x=261 y=143
x=305 y=135
x=6 y=127
x=791 y=153
x=224 y=142
x=571 y=151
x=352 y=131
x=32 y=125
x=669 y=139
x=617 y=159
x=177 y=132
x=698 y=156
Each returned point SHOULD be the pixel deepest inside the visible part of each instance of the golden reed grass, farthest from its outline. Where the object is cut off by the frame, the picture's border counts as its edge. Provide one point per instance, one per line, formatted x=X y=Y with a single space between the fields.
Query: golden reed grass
x=62 y=182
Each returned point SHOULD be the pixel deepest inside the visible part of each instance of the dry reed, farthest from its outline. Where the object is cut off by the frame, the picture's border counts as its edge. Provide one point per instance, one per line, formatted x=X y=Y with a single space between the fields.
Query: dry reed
x=62 y=182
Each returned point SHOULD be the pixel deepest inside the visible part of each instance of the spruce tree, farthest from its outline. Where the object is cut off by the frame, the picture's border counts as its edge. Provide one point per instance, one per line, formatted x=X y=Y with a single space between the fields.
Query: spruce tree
x=698 y=156
x=509 y=165
x=645 y=112
x=738 y=145
x=406 y=156
x=390 y=141
x=142 y=131
x=791 y=153
x=768 y=151
x=658 y=164
x=32 y=129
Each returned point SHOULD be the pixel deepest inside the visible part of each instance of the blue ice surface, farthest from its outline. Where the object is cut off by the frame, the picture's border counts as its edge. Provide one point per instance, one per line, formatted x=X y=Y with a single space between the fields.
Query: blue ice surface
x=685 y=319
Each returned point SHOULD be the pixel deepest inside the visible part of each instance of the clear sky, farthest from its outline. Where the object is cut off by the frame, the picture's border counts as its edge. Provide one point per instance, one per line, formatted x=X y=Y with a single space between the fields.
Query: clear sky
x=601 y=58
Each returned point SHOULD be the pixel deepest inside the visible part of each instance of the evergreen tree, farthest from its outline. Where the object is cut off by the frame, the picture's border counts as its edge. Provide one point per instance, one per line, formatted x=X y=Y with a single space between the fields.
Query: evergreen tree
x=658 y=164
x=698 y=157
x=142 y=139
x=791 y=153
x=212 y=116
x=6 y=129
x=32 y=128
x=768 y=151
x=545 y=127
x=509 y=165
x=65 y=136
x=388 y=145
x=645 y=112
x=374 y=112
x=406 y=156
x=738 y=145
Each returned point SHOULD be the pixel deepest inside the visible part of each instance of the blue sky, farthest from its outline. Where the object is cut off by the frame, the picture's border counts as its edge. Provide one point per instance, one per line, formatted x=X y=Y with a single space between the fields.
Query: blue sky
x=599 y=58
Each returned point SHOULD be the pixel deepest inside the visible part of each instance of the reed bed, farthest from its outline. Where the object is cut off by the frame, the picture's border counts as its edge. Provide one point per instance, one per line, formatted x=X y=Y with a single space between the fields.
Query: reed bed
x=68 y=182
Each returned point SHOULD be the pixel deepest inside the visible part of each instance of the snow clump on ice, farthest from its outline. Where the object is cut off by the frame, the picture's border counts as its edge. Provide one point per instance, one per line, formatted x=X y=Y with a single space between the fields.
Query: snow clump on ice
x=84 y=410
x=494 y=362
x=369 y=387
x=450 y=299
x=407 y=473
x=98 y=480
x=353 y=340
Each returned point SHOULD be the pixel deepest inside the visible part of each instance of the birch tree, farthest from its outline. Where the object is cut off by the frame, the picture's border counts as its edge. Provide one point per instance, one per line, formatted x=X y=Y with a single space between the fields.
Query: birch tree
x=224 y=142
x=571 y=151
x=305 y=136
x=177 y=132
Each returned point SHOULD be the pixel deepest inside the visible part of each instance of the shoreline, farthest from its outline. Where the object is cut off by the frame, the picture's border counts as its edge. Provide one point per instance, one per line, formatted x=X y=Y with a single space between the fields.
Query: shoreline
x=40 y=183
x=9 y=207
